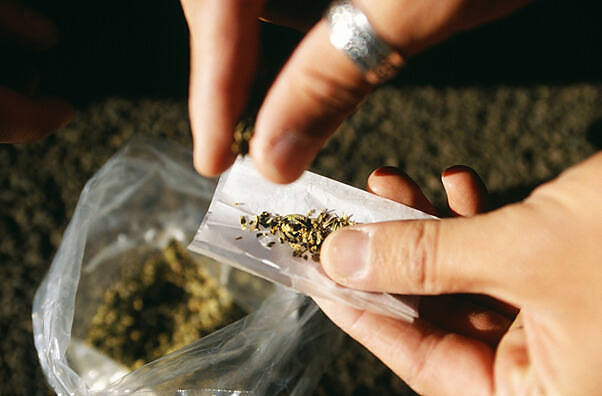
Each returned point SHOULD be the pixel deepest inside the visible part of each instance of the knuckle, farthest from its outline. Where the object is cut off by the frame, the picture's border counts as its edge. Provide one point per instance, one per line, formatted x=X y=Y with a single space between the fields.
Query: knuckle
x=421 y=256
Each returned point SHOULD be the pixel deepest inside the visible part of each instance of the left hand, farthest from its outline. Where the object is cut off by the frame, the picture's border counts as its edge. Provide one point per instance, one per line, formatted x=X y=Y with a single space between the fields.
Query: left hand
x=24 y=118
x=541 y=255
x=317 y=88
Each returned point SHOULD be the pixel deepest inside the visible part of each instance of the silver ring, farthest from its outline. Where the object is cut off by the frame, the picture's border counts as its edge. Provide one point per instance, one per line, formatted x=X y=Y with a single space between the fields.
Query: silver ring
x=351 y=32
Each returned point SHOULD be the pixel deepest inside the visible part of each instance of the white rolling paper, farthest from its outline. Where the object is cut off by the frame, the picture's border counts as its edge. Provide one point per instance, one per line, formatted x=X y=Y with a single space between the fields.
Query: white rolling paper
x=242 y=191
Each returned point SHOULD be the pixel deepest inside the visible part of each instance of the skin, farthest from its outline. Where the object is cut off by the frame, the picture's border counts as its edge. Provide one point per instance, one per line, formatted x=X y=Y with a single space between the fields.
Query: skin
x=541 y=256
x=325 y=92
x=477 y=270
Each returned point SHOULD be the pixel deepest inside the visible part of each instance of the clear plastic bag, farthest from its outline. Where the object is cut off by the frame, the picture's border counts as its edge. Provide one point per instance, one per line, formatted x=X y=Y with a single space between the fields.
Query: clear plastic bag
x=242 y=191
x=145 y=196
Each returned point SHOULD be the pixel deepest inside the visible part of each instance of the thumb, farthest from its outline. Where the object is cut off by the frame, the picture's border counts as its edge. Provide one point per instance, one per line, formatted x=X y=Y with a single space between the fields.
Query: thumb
x=481 y=254
x=320 y=85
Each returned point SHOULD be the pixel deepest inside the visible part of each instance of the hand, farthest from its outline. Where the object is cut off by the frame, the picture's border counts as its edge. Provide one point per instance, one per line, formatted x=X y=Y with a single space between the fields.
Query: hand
x=23 y=118
x=542 y=255
x=317 y=88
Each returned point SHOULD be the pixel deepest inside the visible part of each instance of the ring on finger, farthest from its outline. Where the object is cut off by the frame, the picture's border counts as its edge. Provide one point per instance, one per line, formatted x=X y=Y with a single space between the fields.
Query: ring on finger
x=352 y=33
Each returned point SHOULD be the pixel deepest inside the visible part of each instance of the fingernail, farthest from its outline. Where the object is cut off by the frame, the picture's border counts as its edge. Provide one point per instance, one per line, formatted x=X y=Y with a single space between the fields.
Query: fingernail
x=386 y=171
x=453 y=170
x=447 y=178
x=346 y=255
x=450 y=175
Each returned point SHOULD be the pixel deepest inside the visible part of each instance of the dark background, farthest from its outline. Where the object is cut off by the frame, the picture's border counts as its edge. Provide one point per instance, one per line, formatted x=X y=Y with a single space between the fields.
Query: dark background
x=519 y=100
x=139 y=49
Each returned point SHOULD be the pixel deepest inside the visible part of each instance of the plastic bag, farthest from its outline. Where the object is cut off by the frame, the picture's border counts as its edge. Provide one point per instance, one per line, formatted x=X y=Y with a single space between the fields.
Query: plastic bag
x=145 y=196
x=242 y=191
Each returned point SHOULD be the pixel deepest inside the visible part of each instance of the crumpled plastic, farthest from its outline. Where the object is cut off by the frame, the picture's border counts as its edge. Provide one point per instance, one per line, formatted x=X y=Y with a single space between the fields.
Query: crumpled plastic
x=143 y=197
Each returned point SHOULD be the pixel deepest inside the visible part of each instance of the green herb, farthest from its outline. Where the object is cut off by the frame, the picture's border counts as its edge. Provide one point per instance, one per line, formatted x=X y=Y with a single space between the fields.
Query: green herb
x=167 y=304
x=242 y=135
x=303 y=233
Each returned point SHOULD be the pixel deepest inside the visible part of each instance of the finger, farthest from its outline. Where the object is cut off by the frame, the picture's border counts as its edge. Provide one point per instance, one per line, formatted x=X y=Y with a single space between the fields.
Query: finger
x=463 y=315
x=512 y=362
x=507 y=310
x=467 y=196
x=23 y=119
x=393 y=184
x=224 y=45
x=25 y=25
x=483 y=254
x=466 y=192
x=306 y=103
x=412 y=26
x=419 y=353
x=456 y=314
x=320 y=86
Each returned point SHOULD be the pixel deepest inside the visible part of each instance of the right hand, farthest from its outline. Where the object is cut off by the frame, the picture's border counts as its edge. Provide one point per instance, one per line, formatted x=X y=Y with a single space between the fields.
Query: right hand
x=24 y=118
x=317 y=88
x=541 y=255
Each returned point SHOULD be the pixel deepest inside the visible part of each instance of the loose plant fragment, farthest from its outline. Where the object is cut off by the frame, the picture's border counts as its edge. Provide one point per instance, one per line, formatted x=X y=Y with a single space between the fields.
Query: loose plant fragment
x=303 y=233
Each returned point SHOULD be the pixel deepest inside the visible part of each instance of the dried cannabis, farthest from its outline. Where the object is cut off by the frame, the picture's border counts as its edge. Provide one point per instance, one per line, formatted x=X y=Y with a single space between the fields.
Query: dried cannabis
x=242 y=134
x=168 y=304
x=304 y=234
